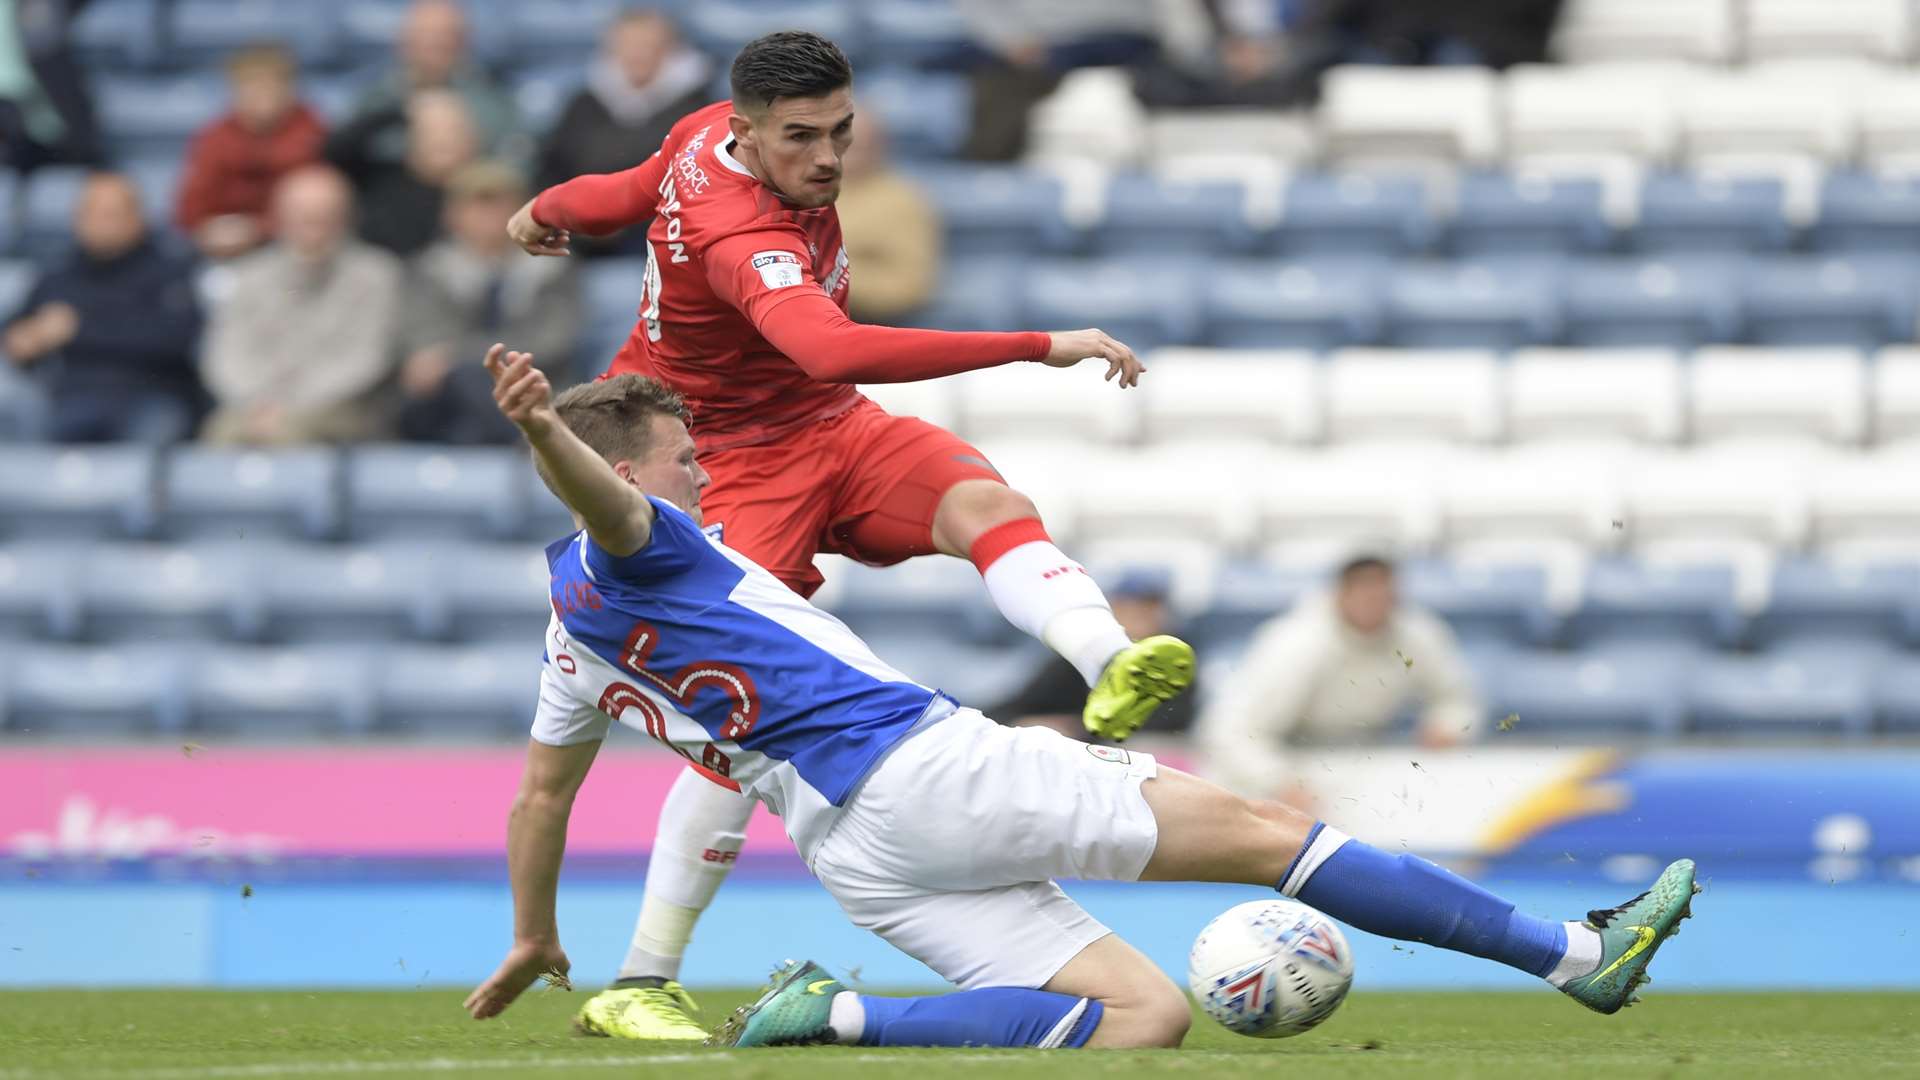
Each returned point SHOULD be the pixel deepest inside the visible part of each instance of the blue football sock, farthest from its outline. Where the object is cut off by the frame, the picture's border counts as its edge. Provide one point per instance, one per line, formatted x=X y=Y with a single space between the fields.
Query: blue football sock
x=991 y=1016
x=1406 y=897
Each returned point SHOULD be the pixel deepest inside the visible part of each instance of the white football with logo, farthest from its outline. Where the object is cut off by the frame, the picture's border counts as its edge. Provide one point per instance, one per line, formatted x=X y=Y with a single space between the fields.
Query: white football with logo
x=1270 y=968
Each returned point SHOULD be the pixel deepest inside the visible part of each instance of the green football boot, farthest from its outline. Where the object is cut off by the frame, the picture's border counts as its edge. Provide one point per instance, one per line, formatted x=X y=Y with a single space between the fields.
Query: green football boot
x=1135 y=682
x=658 y=1009
x=794 y=1011
x=1629 y=936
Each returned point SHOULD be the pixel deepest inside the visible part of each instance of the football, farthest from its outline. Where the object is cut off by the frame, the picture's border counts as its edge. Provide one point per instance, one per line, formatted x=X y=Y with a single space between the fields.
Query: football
x=1270 y=968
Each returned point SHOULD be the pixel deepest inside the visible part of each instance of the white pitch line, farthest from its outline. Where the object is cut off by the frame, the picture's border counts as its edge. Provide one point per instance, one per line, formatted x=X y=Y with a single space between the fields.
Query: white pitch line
x=424 y=1065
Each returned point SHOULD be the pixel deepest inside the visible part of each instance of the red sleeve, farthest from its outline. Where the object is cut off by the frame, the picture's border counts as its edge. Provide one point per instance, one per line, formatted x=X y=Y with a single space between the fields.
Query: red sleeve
x=768 y=276
x=602 y=203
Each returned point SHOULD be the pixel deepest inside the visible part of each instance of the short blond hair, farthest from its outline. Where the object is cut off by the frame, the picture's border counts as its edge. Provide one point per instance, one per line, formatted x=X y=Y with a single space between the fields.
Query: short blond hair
x=265 y=57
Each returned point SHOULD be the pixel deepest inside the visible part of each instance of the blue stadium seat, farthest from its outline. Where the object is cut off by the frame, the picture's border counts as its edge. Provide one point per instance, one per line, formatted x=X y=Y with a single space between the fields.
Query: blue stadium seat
x=489 y=592
x=722 y=26
x=976 y=676
x=1815 y=598
x=1628 y=302
x=997 y=210
x=547 y=31
x=542 y=94
x=282 y=692
x=1145 y=303
x=1246 y=594
x=349 y=593
x=332 y=96
x=1597 y=692
x=86 y=691
x=238 y=494
x=1504 y=214
x=165 y=592
x=76 y=491
x=1779 y=694
x=366 y=32
x=483 y=691
x=144 y=114
x=926 y=116
x=201 y=31
x=23 y=405
x=975 y=293
x=46 y=213
x=1148 y=216
x=1355 y=214
x=1828 y=301
x=1470 y=305
x=612 y=289
x=117 y=35
x=1896 y=695
x=927 y=597
x=1863 y=212
x=1483 y=604
x=37 y=596
x=16 y=281
x=918 y=33
x=157 y=178
x=1316 y=305
x=1630 y=601
x=10 y=196
x=548 y=519
x=1686 y=213
x=450 y=492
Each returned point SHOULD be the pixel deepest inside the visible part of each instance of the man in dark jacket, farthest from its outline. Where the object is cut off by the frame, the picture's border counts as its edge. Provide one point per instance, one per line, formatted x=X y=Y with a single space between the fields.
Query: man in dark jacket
x=112 y=332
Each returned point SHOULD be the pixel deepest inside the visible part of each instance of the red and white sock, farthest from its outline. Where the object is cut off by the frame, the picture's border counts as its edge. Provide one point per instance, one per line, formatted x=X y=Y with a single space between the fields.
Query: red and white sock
x=702 y=826
x=1045 y=593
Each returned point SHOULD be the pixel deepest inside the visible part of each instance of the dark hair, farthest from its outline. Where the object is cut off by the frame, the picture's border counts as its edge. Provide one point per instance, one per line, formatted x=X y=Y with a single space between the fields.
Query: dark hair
x=614 y=417
x=789 y=63
x=1360 y=564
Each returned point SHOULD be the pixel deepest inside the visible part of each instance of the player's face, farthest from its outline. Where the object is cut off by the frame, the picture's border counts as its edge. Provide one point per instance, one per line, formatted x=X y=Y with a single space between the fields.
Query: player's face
x=669 y=471
x=800 y=142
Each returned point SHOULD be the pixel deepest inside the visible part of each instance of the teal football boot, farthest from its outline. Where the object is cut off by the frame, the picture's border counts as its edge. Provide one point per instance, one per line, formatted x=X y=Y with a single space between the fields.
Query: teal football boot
x=795 y=1010
x=1629 y=936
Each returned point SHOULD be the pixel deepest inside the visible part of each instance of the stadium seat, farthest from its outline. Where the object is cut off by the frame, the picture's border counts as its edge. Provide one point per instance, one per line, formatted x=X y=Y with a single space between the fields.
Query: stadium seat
x=488 y=592
x=88 y=691
x=16 y=281
x=1448 y=395
x=368 y=30
x=1333 y=503
x=1269 y=136
x=1005 y=402
x=1389 y=114
x=1631 y=302
x=1571 y=394
x=23 y=405
x=926 y=115
x=1201 y=394
x=72 y=492
x=1527 y=214
x=722 y=26
x=975 y=293
x=349 y=593
x=1742 y=114
x=1828 y=301
x=1701 y=31
x=1810 y=393
x=1349 y=214
x=933 y=400
x=1145 y=305
x=1862 y=212
x=1595 y=113
x=199 y=32
x=1522 y=495
x=117 y=35
x=1775 y=695
x=282 y=692
x=1092 y=119
x=978 y=676
x=1602 y=692
x=1188 y=502
x=547 y=32
x=990 y=210
x=1732 y=495
x=471 y=692
x=1862 y=500
x=37 y=597
x=1315 y=305
x=920 y=597
x=1482 y=603
x=211 y=493
x=542 y=93
x=548 y=519
x=1151 y=216
x=1646 y=603
x=160 y=592
x=1857 y=601
x=917 y=33
x=157 y=178
x=613 y=289
x=1694 y=213
x=1896 y=695
x=1894 y=394
x=1881 y=29
x=141 y=114
x=1889 y=119
x=1248 y=592
x=1454 y=305
x=451 y=492
x=47 y=199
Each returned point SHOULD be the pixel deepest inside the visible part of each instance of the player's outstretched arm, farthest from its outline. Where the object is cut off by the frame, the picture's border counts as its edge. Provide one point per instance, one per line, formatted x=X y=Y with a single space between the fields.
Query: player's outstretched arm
x=536 y=840
x=1068 y=347
x=592 y=205
x=616 y=514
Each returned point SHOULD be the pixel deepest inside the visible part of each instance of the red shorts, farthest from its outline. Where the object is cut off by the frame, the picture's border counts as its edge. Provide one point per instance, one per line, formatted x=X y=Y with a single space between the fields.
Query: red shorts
x=864 y=484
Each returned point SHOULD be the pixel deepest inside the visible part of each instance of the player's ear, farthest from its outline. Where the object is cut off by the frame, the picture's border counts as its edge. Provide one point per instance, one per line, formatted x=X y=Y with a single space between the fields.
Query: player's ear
x=741 y=125
x=624 y=470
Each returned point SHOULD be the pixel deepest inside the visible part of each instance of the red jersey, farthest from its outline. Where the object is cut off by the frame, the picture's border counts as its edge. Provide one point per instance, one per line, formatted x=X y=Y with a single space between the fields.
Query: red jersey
x=744 y=310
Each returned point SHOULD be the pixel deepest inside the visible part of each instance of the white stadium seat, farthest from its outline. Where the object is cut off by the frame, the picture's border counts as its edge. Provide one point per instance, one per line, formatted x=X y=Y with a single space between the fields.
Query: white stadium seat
x=1896 y=395
x=1018 y=401
x=1270 y=134
x=1882 y=29
x=1812 y=393
x=1524 y=494
x=1697 y=30
x=1182 y=493
x=1888 y=117
x=1606 y=110
x=1867 y=500
x=1718 y=496
x=1411 y=394
x=1341 y=501
x=932 y=400
x=1092 y=116
x=1577 y=394
x=1373 y=113
x=1742 y=115
x=1046 y=470
x=1229 y=394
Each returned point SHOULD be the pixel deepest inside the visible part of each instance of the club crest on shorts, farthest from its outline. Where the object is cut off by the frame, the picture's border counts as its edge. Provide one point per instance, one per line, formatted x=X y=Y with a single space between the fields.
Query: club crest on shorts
x=1110 y=753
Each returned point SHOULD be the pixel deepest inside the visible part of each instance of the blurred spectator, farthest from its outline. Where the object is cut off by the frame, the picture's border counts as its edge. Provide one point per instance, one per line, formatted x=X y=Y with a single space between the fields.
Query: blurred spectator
x=468 y=291
x=1337 y=669
x=46 y=110
x=1497 y=33
x=400 y=205
x=432 y=56
x=1027 y=48
x=112 y=331
x=236 y=160
x=643 y=81
x=1056 y=694
x=299 y=348
x=892 y=230
x=1246 y=59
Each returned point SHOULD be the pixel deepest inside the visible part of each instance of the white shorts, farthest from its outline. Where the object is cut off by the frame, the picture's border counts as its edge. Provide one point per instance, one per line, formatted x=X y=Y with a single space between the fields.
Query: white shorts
x=949 y=848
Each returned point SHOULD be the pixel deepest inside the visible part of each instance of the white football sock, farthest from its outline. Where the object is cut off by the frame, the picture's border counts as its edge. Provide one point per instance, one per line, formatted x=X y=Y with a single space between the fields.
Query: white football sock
x=1583 y=955
x=702 y=826
x=1045 y=593
x=848 y=1018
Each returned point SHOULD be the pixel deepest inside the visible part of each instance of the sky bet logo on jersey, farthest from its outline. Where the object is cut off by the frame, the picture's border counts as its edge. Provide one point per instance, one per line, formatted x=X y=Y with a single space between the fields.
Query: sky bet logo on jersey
x=778 y=269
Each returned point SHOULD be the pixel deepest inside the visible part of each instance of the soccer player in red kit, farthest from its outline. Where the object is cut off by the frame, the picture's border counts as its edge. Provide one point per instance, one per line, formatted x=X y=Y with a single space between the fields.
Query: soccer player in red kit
x=744 y=314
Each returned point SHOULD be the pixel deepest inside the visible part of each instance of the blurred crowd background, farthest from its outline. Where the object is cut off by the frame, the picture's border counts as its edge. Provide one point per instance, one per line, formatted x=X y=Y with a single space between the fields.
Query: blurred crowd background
x=1520 y=369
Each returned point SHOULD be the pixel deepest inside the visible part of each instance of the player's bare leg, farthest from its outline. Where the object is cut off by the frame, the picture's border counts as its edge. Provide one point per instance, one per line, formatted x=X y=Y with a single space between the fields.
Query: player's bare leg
x=1049 y=595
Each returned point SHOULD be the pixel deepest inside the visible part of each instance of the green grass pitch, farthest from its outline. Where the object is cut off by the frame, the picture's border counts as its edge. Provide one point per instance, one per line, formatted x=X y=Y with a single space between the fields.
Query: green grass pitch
x=185 y=1035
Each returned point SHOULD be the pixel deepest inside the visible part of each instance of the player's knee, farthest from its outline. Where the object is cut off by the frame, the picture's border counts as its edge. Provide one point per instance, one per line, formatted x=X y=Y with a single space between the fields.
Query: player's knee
x=988 y=504
x=1159 y=1018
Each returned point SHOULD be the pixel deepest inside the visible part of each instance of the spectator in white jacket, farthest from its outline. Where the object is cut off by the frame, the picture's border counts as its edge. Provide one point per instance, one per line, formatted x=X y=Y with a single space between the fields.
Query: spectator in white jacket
x=1336 y=669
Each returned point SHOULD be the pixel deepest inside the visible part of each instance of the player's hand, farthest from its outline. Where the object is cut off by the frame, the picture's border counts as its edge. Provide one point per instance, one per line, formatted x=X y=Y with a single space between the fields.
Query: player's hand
x=521 y=390
x=1072 y=346
x=525 y=962
x=536 y=238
